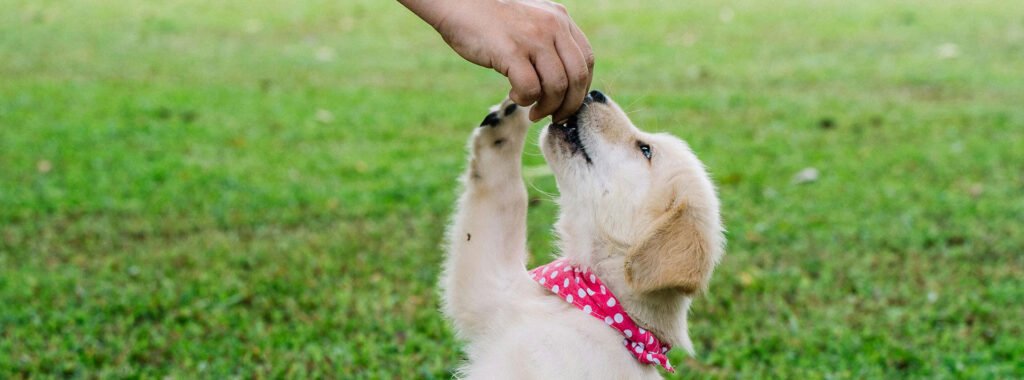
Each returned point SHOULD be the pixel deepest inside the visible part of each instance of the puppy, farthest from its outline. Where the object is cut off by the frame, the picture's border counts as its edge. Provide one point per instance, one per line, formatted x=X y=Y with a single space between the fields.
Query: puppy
x=640 y=235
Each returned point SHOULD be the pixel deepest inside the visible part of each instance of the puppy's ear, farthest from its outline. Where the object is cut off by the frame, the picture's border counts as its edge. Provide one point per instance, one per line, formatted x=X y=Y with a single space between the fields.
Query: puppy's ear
x=675 y=255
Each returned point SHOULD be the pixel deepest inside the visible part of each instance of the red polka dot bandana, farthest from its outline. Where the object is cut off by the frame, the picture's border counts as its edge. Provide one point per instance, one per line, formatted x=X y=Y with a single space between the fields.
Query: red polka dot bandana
x=583 y=289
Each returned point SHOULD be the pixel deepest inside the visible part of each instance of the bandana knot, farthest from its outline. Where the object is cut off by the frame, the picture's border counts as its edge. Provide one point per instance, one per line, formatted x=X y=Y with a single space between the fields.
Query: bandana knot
x=581 y=288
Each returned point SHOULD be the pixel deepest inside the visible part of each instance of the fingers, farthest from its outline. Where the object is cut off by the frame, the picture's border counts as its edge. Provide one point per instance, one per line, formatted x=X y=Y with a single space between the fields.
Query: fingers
x=548 y=60
x=553 y=83
x=578 y=74
x=525 y=84
x=584 y=44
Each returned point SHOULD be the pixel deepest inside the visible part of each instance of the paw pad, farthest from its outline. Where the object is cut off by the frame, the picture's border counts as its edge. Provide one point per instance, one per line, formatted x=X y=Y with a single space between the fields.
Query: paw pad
x=510 y=109
x=500 y=112
x=491 y=120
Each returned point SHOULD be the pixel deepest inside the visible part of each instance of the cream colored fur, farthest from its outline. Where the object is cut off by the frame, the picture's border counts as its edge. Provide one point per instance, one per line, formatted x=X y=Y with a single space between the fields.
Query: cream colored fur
x=650 y=229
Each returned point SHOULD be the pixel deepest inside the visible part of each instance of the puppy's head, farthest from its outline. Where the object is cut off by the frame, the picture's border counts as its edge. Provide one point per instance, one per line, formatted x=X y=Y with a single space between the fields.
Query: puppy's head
x=644 y=193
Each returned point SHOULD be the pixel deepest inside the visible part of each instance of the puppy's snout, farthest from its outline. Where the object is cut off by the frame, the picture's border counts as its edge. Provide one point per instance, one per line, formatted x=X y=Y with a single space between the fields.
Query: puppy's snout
x=597 y=96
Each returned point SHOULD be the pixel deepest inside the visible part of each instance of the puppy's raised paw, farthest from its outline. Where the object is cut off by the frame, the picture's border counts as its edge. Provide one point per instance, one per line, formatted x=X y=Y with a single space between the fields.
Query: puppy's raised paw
x=497 y=145
x=505 y=126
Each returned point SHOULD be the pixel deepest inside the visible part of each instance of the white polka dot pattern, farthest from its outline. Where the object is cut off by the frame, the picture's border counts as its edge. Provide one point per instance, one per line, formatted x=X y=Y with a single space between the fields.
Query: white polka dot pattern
x=576 y=286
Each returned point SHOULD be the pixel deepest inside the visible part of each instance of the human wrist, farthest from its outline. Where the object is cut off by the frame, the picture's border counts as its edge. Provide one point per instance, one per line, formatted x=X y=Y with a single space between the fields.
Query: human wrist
x=434 y=12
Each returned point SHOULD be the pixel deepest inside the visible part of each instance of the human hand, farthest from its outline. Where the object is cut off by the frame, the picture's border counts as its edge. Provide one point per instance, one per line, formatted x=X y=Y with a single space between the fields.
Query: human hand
x=534 y=43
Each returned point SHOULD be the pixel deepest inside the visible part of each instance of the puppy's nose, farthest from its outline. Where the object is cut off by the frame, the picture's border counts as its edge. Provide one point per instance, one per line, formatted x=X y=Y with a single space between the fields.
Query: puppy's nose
x=598 y=96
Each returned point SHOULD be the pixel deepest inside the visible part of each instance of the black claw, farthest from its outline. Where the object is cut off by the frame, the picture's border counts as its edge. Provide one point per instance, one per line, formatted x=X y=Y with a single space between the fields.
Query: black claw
x=490 y=120
x=510 y=109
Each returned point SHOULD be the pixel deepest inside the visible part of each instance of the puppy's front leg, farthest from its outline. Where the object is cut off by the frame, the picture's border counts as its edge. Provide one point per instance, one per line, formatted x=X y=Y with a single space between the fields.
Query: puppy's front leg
x=487 y=239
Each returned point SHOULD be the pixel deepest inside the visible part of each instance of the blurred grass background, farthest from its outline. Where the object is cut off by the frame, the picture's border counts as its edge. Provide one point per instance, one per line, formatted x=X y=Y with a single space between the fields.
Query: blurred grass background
x=259 y=189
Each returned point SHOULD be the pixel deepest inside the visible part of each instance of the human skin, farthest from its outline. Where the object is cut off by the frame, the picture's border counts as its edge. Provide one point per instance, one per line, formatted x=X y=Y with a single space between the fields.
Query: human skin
x=534 y=43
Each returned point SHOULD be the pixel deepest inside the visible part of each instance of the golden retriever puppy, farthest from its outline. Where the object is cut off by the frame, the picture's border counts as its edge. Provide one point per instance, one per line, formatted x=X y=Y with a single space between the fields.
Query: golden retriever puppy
x=639 y=232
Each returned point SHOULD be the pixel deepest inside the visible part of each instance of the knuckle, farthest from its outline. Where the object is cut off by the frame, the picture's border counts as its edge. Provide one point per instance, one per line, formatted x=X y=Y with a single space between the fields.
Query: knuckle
x=559 y=85
x=508 y=47
x=502 y=67
x=580 y=77
x=532 y=92
x=548 y=20
x=517 y=52
x=528 y=92
x=526 y=48
x=535 y=44
x=535 y=31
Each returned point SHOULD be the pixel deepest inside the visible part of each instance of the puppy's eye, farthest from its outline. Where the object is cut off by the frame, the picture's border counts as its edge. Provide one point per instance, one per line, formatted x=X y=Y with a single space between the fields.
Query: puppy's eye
x=645 y=149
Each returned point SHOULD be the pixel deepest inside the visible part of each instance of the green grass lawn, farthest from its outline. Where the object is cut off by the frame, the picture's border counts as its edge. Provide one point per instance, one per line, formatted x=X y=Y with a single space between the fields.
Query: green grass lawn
x=259 y=189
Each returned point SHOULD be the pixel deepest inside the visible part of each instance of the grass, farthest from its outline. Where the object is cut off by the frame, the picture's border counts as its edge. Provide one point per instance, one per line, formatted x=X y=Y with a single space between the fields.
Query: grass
x=259 y=189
